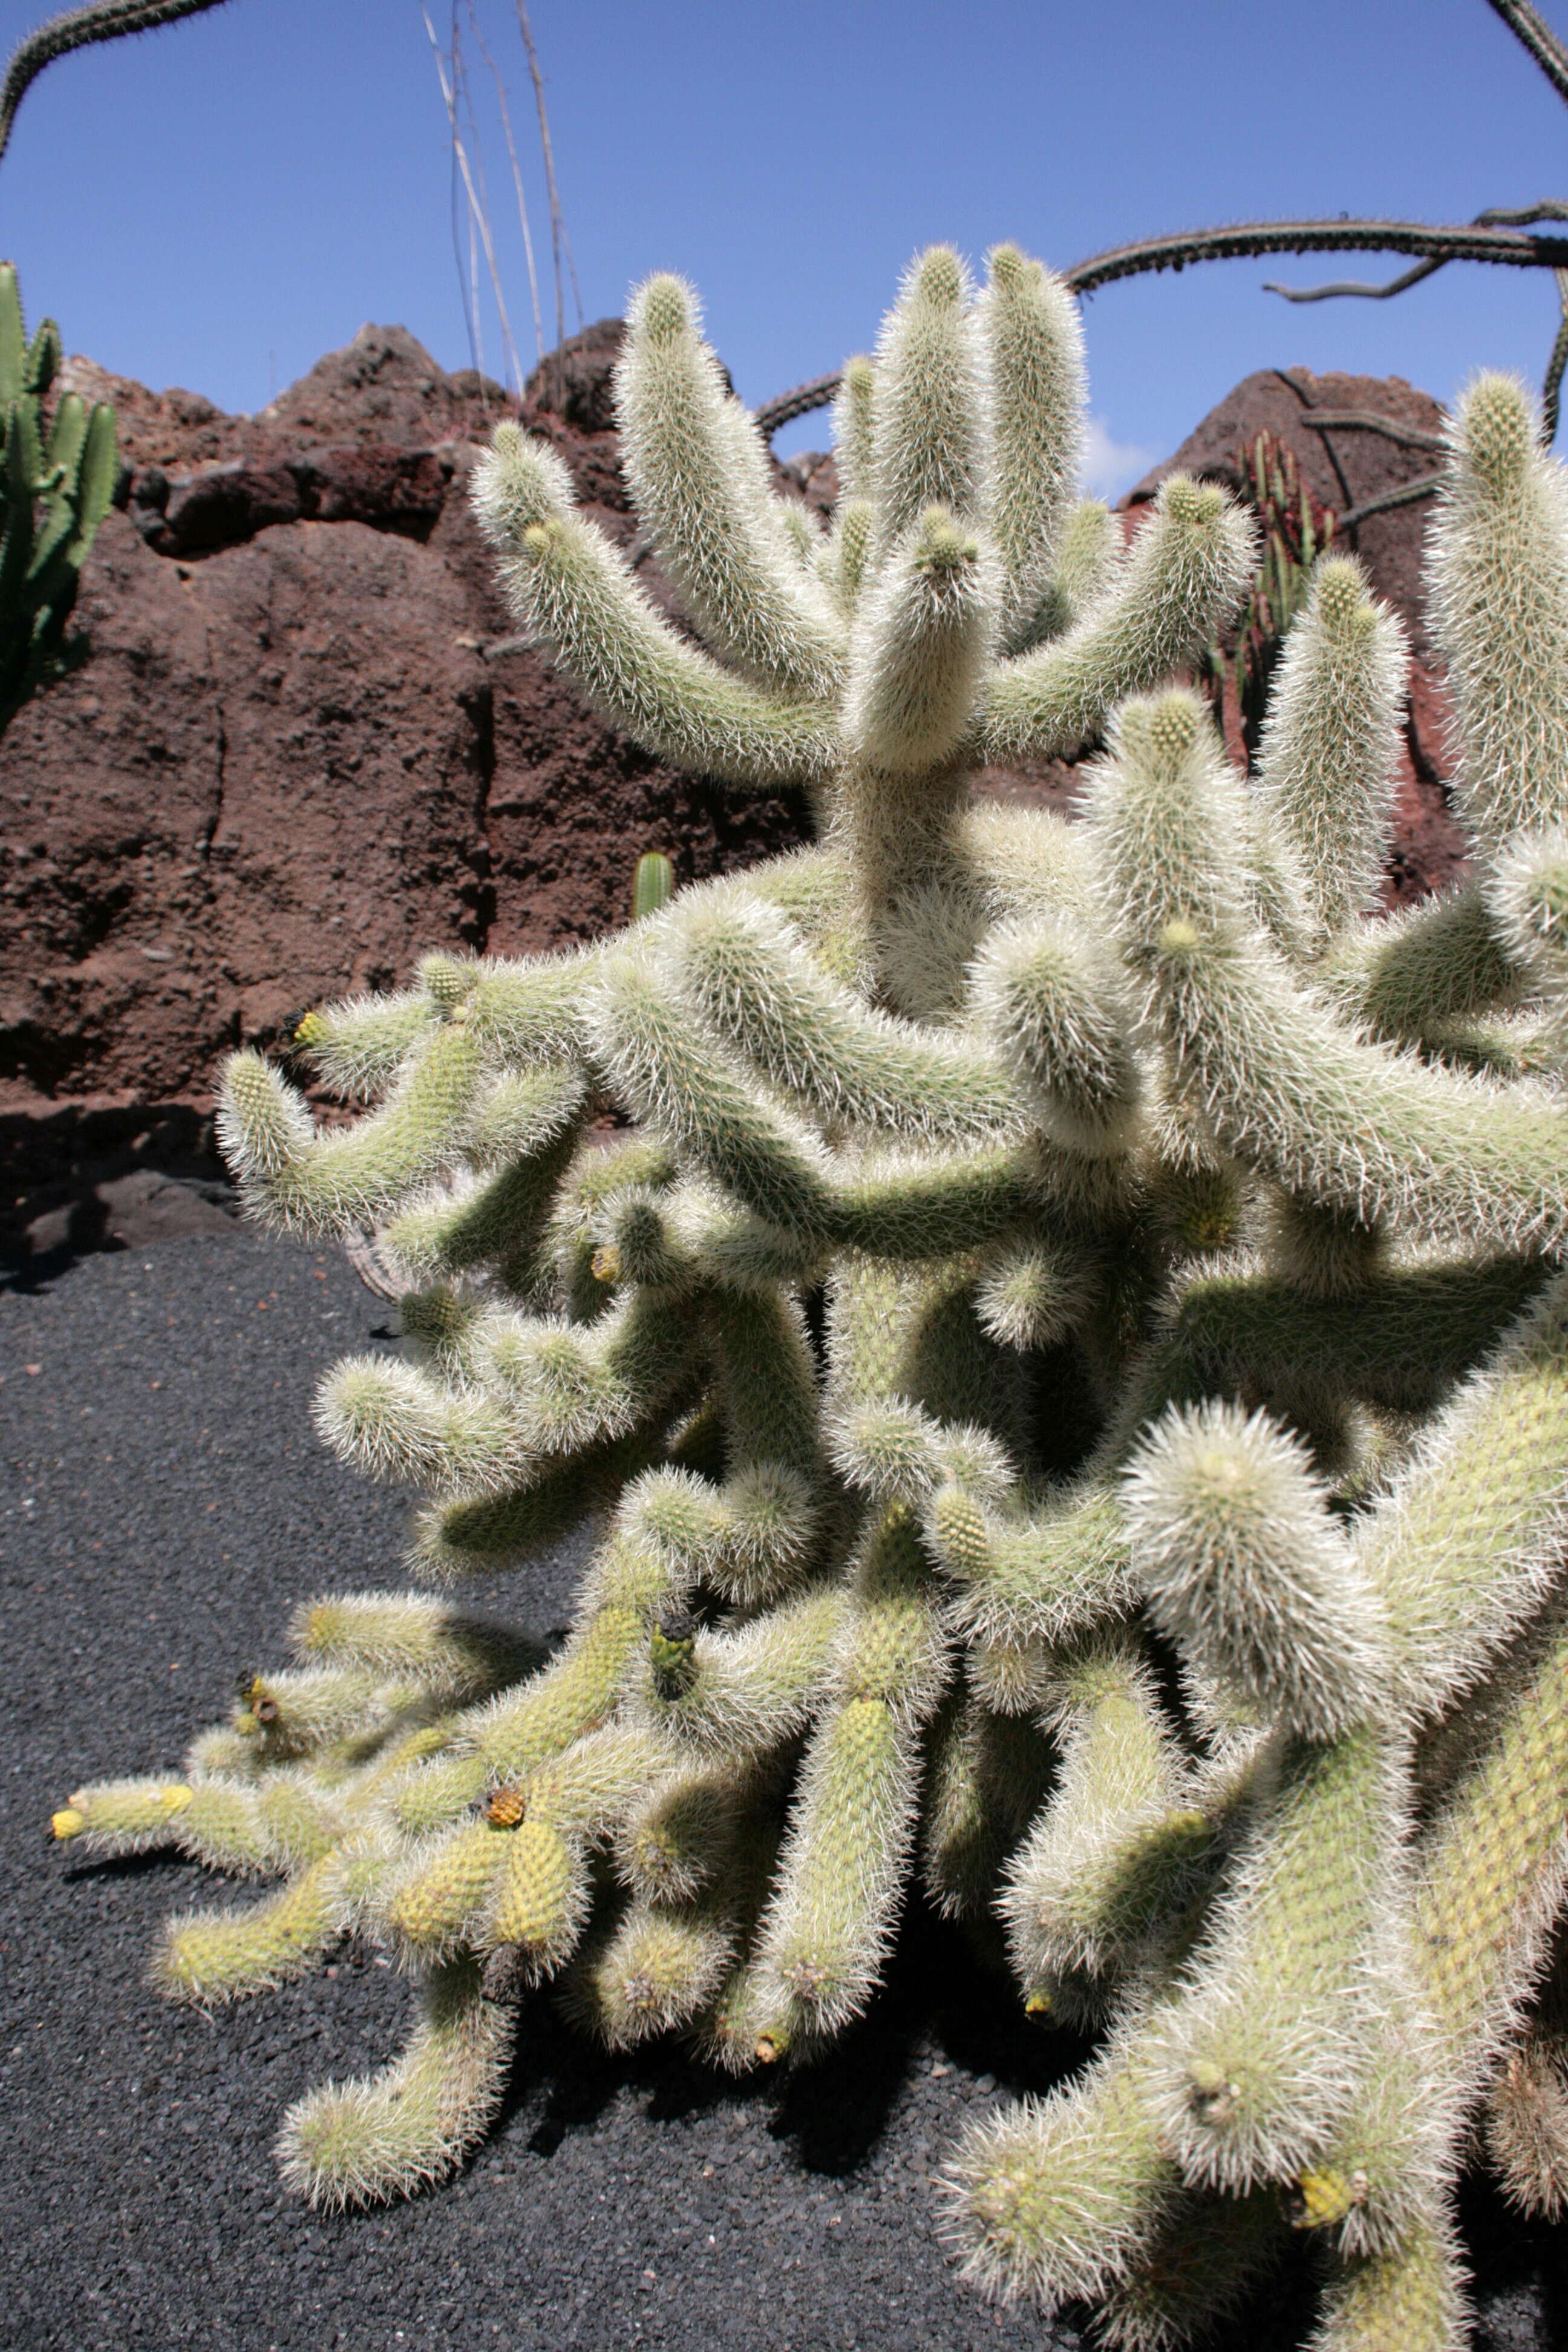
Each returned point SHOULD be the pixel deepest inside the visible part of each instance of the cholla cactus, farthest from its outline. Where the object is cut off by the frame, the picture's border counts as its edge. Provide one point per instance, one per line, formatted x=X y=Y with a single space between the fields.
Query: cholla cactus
x=1245 y=1718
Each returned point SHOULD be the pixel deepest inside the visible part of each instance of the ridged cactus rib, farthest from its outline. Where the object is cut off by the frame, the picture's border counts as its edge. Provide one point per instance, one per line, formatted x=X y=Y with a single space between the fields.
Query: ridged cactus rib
x=697 y=470
x=1060 y=1324
x=1087 y=1889
x=1035 y=346
x=387 y=2135
x=574 y=591
x=1328 y=760
x=1500 y=600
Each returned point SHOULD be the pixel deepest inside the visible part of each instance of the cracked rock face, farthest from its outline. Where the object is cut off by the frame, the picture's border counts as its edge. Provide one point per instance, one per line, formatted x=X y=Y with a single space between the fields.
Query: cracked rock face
x=301 y=751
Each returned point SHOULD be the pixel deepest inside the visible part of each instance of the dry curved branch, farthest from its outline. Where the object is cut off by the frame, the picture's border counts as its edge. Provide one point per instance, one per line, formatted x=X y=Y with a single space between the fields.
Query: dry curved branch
x=1526 y=24
x=107 y=20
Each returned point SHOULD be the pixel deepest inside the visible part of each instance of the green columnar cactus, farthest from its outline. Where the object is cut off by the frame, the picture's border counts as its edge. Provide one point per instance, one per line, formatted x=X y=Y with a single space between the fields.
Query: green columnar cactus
x=57 y=488
x=1066 y=1348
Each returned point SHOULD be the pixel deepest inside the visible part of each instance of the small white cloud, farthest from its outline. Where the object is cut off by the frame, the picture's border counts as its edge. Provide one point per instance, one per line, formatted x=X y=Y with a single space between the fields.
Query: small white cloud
x=1110 y=467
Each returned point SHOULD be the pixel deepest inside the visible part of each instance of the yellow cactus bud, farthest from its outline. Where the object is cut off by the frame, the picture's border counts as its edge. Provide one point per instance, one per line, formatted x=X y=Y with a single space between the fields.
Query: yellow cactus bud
x=1319 y=2199
x=67 y=1822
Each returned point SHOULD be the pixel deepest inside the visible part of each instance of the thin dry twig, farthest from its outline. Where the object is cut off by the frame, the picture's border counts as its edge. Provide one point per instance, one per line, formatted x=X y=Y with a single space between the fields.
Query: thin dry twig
x=479 y=214
x=516 y=176
x=1360 y=420
x=559 y=244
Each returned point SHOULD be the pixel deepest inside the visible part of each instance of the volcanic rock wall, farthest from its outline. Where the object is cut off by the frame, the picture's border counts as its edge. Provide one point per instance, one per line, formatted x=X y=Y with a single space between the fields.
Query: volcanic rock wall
x=305 y=748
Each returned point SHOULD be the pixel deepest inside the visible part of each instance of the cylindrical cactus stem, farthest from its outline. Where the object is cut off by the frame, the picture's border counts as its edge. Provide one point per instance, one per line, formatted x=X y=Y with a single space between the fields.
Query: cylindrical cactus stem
x=432 y=1793
x=672 y=1847
x=528 y=1113
x=929 y=407
x=697 y=1099
x=1413 y=2295
x=1399 y=1340
x=658 y=1969
x=665 y=1964
x=1187 y=571
x=630 y=1586
x=526 y=1014
x=1199 y=2263
x=568 y=1387
x=1492 y=1870
x=749 y=1690
x=1525 y=2126
x=279 y=1823
x=1034 y=1293
x=305 y=1710
x=698 y=470
x=301 y=1181
x=923 y=1206
x=830 y=1919
x=1031 y=1576
x=1329 y=759
x=921 y=633
x=433 y=1910
x=1034 y=344
x=1052 y=1007
x=387 y=2135
x=212 y=1956
x=987 y=1774
x=844 y=558
x=767 y=1380
x=574 y=592
x=1097 y=1871
x=1089 y=557
x=1500 y=582
x=358 y=1045
x=116 y=1817
x=537 y=1903
x=1469 y=1537
x=1288 y=1090
x=411 y=1635
x=500 y=1223
x=1261 y=2058
x=1060 y=2198
x=392 y=1421
x=1422 y=968
x=754 y=984
x=1249 y=1575
x=479 y=1535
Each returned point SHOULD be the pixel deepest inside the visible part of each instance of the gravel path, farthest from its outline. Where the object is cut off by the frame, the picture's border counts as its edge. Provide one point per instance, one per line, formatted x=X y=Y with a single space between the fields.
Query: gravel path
x=162 y=1506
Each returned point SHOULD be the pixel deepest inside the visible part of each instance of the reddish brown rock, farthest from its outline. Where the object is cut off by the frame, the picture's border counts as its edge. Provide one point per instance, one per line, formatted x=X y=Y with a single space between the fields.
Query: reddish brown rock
x=305 y=748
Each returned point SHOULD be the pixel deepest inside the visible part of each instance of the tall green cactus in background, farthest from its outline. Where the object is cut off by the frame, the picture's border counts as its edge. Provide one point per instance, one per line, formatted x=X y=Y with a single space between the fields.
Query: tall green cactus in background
x=1244 y=1716
x=57 y=488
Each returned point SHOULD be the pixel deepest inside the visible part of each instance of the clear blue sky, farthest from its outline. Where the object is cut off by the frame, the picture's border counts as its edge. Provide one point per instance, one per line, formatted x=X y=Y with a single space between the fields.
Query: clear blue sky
x=216 y=204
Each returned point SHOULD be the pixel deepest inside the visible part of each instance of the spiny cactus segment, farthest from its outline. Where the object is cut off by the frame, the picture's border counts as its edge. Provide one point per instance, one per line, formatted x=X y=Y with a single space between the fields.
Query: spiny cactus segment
x=58 y=485
x=1066 y=1346
x=1294 y=529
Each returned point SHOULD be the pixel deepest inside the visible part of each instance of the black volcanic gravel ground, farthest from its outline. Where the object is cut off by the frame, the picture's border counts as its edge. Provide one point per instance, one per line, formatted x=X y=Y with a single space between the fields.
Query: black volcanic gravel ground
x=162 y=1506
